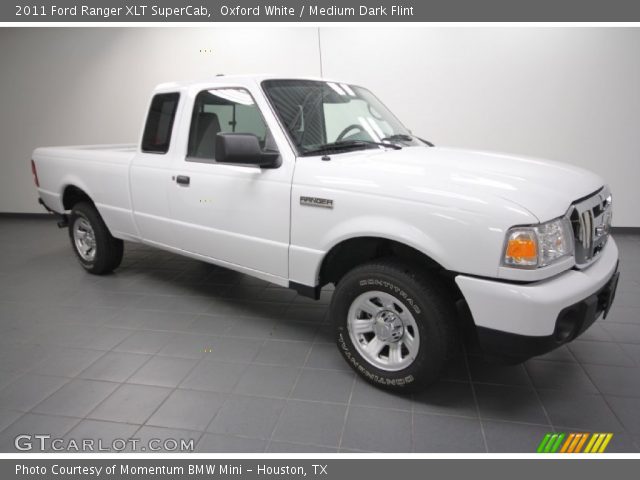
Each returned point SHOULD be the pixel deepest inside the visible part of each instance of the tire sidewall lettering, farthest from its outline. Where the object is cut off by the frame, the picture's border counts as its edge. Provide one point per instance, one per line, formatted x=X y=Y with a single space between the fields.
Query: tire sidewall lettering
x=399 y=382
x=391 y=287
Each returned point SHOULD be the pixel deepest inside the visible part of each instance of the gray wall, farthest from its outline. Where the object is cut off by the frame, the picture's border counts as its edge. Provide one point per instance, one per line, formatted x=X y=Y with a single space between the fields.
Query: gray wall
x=571 y=94
x=70 y=86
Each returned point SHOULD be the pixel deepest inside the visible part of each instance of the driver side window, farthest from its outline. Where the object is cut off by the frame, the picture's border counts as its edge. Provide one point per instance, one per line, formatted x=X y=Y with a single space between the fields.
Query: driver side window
x=223 y=110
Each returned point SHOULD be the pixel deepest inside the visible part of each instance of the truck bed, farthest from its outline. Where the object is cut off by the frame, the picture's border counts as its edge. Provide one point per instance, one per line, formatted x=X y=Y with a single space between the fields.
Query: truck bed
x=116 y=148
x=101 y=171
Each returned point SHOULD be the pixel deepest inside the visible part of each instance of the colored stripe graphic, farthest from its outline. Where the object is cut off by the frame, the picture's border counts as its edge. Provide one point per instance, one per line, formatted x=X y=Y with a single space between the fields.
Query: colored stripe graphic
x=568 y=442
x=543 y=443
x=605 y=442
x=551 y=443
x=556 y=445
x=590 y=444
x=596 y=446
x=574 y=442
x=599 y=442
x=576 y=439
x=584 y=439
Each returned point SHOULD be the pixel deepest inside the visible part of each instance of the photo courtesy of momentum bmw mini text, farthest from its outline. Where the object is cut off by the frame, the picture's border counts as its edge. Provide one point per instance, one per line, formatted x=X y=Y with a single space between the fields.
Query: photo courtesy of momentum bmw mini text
x=310 y=239
x=209 y=470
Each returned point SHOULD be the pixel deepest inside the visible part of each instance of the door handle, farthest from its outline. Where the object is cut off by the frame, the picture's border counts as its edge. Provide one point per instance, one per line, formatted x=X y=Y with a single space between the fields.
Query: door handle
x=183 y=180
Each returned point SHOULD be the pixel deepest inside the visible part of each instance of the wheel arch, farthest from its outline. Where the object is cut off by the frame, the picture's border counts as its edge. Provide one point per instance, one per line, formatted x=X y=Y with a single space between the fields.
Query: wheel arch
x=73 y=194
x=353 y=251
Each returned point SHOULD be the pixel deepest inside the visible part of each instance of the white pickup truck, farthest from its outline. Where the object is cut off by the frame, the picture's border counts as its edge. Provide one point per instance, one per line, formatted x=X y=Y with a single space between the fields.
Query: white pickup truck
x=308 y=182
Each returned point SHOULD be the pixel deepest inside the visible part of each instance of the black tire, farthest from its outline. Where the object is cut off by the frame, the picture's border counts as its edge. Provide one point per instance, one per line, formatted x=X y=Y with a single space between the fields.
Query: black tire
x=108 y=250
x=433 y=313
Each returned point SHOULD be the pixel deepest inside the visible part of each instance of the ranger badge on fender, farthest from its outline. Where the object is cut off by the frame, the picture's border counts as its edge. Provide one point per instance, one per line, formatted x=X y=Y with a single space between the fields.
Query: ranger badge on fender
x=316 y=202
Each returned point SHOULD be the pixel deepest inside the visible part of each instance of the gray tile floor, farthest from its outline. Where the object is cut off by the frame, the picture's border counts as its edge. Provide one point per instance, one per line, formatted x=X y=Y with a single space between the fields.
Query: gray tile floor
x=172 y=348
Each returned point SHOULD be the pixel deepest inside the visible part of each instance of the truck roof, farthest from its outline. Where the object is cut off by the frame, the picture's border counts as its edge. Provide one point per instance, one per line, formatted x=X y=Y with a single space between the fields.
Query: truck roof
x=237 y=80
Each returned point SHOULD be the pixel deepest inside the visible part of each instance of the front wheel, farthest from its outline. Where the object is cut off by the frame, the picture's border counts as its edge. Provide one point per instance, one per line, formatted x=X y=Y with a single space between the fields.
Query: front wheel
x=393 y=325
x=98 y=251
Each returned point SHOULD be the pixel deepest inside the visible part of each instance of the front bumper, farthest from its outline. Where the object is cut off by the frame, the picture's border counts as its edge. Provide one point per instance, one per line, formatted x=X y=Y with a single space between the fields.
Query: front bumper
x=524 y=320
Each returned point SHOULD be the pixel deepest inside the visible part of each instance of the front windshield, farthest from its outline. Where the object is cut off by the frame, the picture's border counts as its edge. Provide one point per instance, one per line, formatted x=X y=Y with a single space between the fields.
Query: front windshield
x=321 y=115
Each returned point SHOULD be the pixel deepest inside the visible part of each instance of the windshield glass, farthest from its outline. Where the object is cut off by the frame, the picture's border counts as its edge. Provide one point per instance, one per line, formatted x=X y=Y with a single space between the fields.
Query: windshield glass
x=322 y=115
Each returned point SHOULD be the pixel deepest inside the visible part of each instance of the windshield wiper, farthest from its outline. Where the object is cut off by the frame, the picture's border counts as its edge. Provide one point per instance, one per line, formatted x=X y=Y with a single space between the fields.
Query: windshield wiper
x=403 y=137
x=350 y=144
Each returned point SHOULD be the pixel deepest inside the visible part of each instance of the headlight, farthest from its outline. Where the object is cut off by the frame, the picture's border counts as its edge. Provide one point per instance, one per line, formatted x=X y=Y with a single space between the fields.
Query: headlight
x=538 y=245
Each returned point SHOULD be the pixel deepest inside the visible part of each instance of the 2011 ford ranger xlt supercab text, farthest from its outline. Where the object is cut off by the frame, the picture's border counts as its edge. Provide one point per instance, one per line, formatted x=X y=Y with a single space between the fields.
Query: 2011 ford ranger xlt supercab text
x=309 y=182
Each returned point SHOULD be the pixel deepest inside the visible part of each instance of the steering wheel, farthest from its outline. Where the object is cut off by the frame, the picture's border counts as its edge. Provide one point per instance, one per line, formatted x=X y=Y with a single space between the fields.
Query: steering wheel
x=344 y=132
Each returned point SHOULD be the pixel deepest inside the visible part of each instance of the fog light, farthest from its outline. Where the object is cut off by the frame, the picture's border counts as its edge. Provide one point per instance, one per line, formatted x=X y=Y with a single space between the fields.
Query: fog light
x=567 y=325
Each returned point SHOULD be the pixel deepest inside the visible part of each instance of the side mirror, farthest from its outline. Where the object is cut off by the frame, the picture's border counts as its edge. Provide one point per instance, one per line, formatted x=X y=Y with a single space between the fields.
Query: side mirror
x=244 y=149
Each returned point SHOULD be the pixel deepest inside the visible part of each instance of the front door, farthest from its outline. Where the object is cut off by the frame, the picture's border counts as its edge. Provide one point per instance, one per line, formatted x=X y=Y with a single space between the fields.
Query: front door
x=238 y=215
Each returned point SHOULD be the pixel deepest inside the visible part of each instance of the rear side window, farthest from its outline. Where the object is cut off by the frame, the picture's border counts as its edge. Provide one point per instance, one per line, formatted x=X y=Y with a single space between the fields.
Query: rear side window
x=157 y=131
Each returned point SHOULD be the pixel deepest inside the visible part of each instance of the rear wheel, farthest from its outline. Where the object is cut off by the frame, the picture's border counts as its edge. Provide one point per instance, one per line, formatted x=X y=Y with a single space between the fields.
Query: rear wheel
x=98 y=251
x=394 y=326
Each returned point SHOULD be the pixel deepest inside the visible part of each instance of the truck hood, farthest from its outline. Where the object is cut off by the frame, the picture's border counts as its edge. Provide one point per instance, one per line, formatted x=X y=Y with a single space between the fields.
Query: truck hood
x=545 y=188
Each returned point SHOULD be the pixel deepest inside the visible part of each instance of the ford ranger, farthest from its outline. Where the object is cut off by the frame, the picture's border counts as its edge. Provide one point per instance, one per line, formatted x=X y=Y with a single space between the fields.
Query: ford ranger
x=309 y=182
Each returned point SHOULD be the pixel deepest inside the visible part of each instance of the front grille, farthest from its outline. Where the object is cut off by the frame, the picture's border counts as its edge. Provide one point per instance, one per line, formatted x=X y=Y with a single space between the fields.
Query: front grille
x=591 y=223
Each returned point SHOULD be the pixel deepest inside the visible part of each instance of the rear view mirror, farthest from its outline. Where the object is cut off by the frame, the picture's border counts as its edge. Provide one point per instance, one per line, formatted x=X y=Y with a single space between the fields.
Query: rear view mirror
x=244 y=149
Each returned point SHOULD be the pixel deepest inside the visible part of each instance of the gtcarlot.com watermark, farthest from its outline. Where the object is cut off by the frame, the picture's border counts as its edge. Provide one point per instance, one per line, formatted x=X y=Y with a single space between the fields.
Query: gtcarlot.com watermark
x=42 y=442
